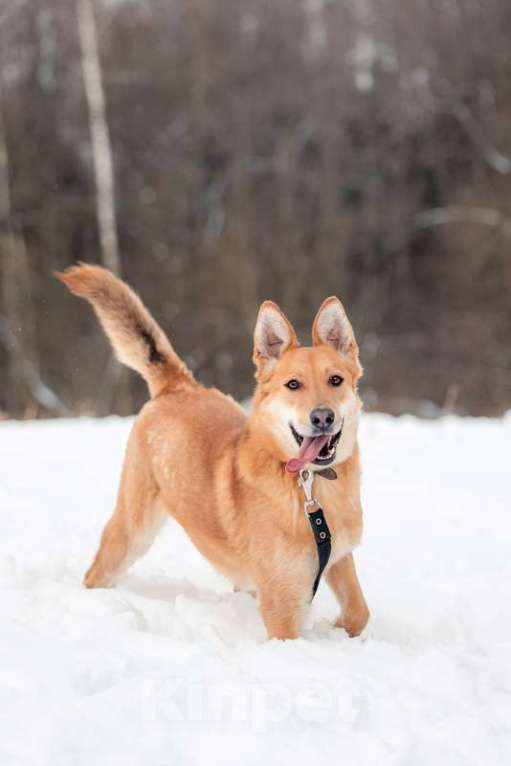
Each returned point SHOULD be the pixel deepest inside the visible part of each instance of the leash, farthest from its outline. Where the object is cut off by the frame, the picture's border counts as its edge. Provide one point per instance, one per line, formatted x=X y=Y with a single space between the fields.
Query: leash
x=320 y=530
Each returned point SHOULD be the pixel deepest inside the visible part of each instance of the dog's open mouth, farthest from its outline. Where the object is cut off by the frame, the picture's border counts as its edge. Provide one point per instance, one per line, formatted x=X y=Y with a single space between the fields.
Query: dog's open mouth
x=319 y=450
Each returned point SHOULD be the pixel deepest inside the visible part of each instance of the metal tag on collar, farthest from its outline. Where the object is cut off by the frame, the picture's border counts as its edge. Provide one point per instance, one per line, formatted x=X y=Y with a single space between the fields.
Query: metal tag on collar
x=306 y=481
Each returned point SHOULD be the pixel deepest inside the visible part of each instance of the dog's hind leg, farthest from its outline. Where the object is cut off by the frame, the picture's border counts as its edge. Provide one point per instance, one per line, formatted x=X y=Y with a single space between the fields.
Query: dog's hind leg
x=129 y=533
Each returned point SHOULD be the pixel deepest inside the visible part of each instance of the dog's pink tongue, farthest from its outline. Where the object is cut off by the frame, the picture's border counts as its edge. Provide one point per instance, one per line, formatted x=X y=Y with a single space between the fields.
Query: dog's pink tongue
x=309 y=450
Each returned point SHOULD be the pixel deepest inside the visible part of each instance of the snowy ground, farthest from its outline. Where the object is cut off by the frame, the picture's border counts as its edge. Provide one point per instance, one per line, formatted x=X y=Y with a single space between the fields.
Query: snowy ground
x=172 y=667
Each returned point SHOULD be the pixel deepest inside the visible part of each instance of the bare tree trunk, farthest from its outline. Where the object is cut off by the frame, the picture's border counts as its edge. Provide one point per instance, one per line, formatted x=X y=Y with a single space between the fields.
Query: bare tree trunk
x=113 y=378
x=100 y=138
x=9 y=249
x=25 y=388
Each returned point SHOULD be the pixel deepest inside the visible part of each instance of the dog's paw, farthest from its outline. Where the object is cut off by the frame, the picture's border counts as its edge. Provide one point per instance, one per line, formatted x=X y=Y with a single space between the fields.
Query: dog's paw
x=93 y=580
x=354 y=623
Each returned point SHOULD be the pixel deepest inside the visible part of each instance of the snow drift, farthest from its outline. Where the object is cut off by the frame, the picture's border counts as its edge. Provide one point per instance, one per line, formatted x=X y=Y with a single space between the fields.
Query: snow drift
x=172 y=667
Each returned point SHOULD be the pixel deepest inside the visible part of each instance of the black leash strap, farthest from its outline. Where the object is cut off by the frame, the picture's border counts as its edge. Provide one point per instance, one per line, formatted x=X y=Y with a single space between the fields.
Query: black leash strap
x=323 y=541
x=320 y=530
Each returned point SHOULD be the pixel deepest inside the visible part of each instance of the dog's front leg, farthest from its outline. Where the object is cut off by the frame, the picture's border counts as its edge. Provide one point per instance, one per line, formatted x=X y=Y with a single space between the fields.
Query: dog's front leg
x=343 y=580
x=283 y=608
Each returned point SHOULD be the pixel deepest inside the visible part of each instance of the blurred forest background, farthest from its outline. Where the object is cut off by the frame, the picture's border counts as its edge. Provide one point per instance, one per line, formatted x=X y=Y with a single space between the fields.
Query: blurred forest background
x=219 y=152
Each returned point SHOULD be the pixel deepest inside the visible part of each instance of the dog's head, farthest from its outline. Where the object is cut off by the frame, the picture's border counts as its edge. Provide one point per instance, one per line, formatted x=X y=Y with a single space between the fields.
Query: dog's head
x=306 y=400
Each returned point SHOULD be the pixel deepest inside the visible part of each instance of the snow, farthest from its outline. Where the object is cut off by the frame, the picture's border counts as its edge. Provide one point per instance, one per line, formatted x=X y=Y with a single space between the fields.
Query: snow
x=172 y=667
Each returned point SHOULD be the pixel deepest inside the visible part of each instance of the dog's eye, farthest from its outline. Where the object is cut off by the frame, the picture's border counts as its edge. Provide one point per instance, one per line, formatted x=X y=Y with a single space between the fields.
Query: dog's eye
x=335 y=380
x=293 y=384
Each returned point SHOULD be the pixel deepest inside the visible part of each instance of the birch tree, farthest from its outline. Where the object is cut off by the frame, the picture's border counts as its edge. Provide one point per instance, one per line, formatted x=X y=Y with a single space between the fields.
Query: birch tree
x=103 y=173
x=99 y=135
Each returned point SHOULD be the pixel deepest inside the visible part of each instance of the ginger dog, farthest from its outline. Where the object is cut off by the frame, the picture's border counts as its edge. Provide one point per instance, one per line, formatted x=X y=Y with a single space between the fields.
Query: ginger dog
x=230 y=479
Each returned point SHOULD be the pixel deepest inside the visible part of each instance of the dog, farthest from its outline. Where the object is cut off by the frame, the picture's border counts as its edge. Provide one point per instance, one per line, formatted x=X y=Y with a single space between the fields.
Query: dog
x=228 y=478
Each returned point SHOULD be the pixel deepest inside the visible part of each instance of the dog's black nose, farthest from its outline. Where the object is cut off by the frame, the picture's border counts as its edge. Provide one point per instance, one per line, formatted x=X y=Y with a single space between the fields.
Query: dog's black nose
x=322 y=418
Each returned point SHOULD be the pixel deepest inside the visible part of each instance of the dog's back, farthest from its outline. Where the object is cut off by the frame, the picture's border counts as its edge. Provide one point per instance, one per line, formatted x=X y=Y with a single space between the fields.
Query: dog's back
x=178 y=437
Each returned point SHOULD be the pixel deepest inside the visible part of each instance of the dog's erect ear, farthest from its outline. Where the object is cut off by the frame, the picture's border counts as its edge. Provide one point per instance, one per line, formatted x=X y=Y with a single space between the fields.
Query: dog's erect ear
x=332 y=327
x=273 y=335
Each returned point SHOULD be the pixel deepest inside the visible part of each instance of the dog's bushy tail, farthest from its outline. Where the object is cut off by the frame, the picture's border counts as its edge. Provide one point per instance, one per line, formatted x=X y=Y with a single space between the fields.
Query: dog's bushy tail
x=137 y=339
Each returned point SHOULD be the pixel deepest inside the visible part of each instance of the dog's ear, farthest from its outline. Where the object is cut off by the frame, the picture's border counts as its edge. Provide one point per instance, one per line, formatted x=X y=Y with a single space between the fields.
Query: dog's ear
x=273 y=335
x=332 y=327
